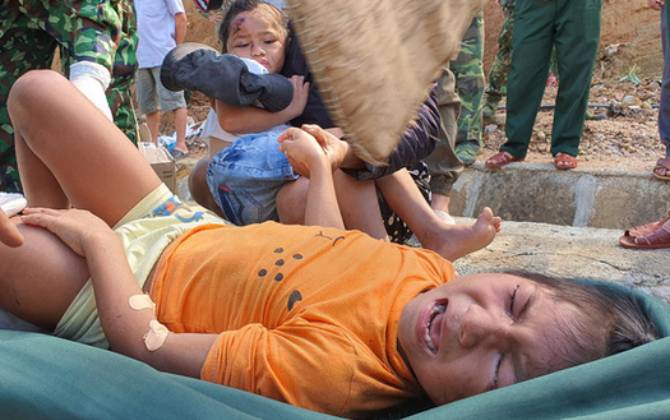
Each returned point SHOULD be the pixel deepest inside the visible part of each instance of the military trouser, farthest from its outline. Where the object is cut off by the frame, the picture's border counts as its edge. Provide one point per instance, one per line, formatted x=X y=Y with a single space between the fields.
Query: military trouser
x=573 y=27
x=443 y=165
x=102 y=32
x=469 y=72
x=497 y=80
x=664 y=109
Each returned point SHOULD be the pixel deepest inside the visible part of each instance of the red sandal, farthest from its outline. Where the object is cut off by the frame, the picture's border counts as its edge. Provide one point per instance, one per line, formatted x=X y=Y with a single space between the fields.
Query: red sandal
x=501 y=159
x=655 y=239
x=647 y=228
x=564 y=162
x=662 y=169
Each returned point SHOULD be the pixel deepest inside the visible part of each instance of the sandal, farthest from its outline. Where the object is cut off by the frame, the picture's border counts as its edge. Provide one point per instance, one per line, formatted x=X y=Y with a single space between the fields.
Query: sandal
x=647 y=228
x=662 y=170
x=178 y=154
x=501 y=159
x=656 y=239
x=564 y=162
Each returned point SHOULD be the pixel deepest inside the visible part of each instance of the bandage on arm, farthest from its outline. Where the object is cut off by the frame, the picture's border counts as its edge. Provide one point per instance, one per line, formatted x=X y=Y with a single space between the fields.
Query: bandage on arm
x=128 y=323
x=92 y=79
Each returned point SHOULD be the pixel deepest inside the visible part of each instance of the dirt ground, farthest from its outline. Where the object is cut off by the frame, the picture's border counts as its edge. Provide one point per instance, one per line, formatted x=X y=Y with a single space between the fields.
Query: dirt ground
x=627 y=137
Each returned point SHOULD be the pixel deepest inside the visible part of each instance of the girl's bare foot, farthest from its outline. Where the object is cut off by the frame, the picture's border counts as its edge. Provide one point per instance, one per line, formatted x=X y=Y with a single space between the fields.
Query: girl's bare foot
x=456 y=241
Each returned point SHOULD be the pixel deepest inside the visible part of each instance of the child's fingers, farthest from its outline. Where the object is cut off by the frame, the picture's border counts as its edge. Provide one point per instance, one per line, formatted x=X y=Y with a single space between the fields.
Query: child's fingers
x=311 y=128
x=317 y=132
x=9 y=234
x=289 y=134
x=286 y=135
x=38 y=210
x=38 y=219
x=282 y=137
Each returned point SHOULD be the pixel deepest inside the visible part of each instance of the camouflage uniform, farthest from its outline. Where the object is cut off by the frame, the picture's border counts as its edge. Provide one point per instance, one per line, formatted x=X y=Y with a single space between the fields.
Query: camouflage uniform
x=469 y=71
x=503 y=60
x=443 y=164
x=98 y=31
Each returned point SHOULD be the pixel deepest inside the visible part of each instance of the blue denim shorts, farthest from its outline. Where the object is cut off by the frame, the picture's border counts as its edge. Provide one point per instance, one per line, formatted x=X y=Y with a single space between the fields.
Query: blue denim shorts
x=244 y=178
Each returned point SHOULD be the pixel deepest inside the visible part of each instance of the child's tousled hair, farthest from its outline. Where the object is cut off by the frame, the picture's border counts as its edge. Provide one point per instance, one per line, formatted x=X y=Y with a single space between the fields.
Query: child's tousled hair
x=241 y=6
x=609 y=320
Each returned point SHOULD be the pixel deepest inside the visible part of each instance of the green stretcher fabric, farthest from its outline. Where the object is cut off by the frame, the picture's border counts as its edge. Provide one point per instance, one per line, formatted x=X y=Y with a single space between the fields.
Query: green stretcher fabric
x=46 y=377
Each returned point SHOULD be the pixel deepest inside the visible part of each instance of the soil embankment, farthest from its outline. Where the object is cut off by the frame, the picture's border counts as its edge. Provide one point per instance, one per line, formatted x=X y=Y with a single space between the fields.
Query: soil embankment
x=624 y=22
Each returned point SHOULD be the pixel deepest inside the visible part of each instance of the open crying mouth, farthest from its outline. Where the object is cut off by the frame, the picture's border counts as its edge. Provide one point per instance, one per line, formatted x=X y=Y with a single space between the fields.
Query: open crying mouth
x=432 y=331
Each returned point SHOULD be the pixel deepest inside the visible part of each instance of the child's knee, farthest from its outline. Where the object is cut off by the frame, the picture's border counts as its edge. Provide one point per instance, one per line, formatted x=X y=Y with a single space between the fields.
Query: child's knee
x=197 y=184
x=28 y=91
x=291 y=201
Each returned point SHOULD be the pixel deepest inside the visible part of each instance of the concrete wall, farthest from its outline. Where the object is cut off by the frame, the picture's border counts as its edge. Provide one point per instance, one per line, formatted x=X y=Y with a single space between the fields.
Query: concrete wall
x=583 y=197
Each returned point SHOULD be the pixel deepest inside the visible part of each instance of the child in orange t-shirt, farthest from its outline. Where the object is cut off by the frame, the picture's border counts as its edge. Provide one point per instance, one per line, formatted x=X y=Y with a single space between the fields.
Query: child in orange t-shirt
x=316 y=316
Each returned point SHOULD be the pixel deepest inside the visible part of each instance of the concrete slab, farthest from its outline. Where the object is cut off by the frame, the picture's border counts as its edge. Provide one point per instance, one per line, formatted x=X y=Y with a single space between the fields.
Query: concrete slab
x=536 y=192
x=571 y=252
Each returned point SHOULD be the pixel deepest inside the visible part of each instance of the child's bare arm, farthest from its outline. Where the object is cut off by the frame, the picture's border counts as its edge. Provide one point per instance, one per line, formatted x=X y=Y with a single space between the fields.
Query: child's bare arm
x=249 y=119
x=310 y=160
x=114 y=284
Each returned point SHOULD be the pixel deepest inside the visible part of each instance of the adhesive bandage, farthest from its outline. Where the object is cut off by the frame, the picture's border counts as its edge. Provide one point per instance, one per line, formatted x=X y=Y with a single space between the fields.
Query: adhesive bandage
x=92 y=79
x=141 y=302
x=156 y=336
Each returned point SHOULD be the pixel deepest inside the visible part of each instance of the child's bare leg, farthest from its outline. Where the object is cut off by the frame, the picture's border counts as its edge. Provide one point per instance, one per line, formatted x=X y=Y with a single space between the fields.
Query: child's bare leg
x=291 y=200
x=359 y=205
x=450 y=241
x=68 y=150
x=357 y=201
x=43 y=278
x=197 y=186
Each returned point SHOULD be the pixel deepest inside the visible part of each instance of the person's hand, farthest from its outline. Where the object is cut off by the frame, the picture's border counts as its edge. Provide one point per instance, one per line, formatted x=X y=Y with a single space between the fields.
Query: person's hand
x=300 y=96
x=335 y=148
x=302 y=150
x=656 y=4
x=9 y=234
x=215 y=17
x=78 y=229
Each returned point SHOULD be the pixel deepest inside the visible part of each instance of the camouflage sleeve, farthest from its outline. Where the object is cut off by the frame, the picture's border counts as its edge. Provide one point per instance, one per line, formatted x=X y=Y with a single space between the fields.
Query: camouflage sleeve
x=97 y=26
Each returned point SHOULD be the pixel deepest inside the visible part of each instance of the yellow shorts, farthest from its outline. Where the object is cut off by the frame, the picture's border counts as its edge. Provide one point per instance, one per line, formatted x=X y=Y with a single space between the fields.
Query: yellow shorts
x=145 y=232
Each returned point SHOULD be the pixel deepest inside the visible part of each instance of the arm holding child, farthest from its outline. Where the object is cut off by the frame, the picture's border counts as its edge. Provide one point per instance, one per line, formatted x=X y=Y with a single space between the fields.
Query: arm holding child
x=251 y=119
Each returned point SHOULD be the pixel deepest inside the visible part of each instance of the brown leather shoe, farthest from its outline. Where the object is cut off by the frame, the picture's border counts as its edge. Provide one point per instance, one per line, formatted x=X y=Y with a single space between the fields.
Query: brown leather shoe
x=501 y=159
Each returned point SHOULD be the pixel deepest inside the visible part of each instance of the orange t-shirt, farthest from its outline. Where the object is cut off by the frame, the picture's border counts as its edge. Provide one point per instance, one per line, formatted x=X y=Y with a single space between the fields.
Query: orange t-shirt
x=306 y=315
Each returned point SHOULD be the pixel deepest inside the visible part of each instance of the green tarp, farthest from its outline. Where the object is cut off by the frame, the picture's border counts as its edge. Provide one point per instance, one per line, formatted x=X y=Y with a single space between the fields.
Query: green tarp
x=46 y=377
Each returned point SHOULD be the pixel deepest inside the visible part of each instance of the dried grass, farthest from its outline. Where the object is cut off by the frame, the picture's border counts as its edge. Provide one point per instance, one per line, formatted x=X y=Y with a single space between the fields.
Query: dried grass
x=375 y=60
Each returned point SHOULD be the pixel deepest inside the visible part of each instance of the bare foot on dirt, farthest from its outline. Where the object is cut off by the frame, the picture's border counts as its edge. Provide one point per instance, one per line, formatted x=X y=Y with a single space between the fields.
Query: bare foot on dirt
x=456 y=241
x=9 y=234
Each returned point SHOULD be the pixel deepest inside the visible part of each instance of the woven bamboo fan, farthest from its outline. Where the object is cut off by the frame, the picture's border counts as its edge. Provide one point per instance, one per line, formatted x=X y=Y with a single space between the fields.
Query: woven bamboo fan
x=375 y=60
